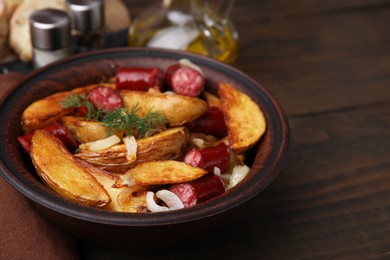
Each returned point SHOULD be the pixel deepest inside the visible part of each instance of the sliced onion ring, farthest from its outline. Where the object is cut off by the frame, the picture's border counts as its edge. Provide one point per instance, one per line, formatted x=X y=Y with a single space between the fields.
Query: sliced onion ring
x=170 y=198
x=152 y=205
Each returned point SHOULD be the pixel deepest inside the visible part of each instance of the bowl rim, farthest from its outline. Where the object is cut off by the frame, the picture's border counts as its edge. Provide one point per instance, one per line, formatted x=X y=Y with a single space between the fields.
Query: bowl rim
x=197 y=212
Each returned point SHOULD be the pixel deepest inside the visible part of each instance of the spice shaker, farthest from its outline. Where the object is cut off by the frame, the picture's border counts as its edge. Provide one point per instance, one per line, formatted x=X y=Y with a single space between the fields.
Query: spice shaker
x=50 y=36
x=87 y=18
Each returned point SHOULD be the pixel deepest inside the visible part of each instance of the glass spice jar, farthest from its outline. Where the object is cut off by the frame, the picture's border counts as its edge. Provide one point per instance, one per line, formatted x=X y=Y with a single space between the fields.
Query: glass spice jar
x=50 y=36
x=87 y=17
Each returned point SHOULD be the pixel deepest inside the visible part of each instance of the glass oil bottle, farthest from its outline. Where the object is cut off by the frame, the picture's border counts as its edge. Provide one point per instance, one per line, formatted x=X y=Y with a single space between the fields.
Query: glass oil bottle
x=199 y=26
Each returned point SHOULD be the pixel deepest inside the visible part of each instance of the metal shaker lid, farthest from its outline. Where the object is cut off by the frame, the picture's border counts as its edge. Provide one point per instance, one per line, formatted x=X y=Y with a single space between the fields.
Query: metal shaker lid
x=86 y=15
x=50 y=29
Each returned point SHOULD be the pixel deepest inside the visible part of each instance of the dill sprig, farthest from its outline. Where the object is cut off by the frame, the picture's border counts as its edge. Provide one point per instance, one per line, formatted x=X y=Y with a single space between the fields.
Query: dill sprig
x=81 y=100
x=132 y=124
x=73 y=101
x=119 y=120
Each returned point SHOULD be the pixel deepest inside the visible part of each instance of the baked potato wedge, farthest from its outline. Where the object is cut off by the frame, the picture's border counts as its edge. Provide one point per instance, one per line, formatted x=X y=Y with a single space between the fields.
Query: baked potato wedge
x=131 y=199
x=244 y=119
x=62 y=172
x=123 y=199
x=84 y=131
x=176 y=108
x=168 y=144
x=107 y=180
x=212 y=100
x=160 y=173
x=46 y=111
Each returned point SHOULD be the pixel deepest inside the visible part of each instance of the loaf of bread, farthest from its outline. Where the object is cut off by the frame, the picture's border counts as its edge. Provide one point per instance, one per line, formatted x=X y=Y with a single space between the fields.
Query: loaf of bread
x=20 y=39
x=3 y=29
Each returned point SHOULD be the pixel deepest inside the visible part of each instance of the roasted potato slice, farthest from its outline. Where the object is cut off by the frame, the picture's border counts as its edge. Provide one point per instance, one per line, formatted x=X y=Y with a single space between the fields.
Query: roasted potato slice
x=161 y=172
x=244 y=119
x=84 y=131
x=62 y=172
x=176 y=108
x=45 y=111
x=168 y=144
x=131 y=199
x=123 y=199
x=212 y=100
x=112 y=159
x=107 y=180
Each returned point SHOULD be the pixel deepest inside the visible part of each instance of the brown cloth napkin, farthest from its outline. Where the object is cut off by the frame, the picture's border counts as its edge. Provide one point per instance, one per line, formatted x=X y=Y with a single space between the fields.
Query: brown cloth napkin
x=24 y=234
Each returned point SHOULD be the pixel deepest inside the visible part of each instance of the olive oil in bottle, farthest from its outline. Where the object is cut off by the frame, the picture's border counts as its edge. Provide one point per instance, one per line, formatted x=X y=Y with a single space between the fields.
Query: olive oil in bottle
x=196 y=26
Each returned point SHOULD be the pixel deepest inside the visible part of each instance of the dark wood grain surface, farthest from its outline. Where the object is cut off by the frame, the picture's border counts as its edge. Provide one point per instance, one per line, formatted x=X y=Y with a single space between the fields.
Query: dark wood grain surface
x=328 y=64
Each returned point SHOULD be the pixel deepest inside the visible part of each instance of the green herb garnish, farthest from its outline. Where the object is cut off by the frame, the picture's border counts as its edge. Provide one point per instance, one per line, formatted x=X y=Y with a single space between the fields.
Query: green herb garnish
x=119 y=120
x=81 y=100
x=132 y=124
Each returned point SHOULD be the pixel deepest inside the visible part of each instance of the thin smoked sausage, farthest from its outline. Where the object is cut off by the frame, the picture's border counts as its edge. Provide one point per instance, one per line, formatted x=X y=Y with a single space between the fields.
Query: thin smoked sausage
x=210 y=157
x=184 y=80
x=139 y=79
x=105 y=98
x=212 y=122
x=55 y=129
x=194 y=192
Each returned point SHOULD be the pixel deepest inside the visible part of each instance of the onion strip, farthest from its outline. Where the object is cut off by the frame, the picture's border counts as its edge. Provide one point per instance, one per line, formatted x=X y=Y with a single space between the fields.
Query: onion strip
x=131 y=147
x=101 y=144
x=168 y=197
x=238 y=174
x=190 y=64
x=152 y=205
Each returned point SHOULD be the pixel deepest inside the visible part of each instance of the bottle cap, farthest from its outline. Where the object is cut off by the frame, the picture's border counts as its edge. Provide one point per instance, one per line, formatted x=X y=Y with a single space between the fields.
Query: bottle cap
x=86 y=15
x=50 y=29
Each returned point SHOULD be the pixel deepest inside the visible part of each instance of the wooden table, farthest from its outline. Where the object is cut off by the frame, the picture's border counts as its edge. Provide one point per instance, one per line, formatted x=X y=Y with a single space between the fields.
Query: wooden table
x=328 y=64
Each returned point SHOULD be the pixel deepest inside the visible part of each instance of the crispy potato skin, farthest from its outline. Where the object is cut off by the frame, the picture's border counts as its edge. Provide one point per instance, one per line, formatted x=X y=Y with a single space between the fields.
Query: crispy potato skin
x=45 y=111
x=164 y=172
x=62 y=172
x=176 y=108
x=244 y=119
x=84 y=131
x=168 y=144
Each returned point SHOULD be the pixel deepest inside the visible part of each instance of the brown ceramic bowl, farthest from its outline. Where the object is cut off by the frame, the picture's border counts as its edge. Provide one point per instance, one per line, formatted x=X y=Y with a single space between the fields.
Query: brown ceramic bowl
x=118 y=229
